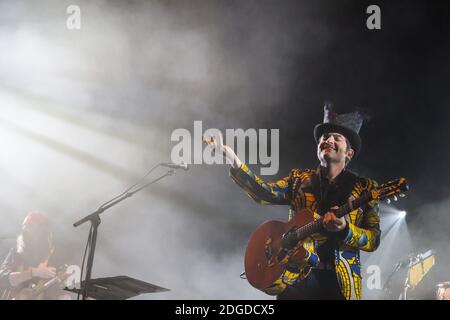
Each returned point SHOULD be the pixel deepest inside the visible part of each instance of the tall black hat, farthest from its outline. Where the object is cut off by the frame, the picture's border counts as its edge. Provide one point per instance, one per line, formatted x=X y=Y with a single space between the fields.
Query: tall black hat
x=347 y=124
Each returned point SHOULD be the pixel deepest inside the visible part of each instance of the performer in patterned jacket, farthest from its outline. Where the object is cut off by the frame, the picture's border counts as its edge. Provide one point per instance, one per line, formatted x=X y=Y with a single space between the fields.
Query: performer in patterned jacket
x=337 y=272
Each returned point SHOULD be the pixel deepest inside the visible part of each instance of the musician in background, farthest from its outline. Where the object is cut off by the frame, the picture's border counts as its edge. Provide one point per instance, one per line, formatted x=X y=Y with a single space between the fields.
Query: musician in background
x=29 y=263
x=335 y=271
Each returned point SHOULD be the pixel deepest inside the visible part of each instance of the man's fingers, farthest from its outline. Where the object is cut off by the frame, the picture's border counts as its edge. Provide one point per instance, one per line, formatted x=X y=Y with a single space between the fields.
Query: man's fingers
x=209 y=139
x=331 y=222
x=328 y=217
x=332 y=217
x=216 y=142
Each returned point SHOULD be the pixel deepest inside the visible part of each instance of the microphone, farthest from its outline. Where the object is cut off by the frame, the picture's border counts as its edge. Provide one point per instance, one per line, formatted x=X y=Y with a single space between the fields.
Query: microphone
x=183 y=166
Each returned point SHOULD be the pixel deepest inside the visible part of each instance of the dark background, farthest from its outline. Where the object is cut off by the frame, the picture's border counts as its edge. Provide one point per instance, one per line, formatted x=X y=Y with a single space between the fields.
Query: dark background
x=85 y=113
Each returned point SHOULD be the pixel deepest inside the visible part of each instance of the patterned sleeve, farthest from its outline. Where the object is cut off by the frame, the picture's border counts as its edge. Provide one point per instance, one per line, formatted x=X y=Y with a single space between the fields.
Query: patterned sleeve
x=5 y=270
x=366 y=237
x=264 y=193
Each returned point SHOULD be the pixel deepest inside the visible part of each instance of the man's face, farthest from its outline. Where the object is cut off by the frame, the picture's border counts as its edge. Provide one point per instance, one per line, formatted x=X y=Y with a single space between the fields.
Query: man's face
x=332 y=147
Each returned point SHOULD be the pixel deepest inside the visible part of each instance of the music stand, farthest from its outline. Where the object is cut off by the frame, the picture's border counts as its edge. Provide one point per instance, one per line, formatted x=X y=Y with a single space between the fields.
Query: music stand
x=117 y=288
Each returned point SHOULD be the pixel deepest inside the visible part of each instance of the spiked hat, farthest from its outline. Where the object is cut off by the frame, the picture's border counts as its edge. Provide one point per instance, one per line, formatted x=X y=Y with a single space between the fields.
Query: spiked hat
x=347 y=124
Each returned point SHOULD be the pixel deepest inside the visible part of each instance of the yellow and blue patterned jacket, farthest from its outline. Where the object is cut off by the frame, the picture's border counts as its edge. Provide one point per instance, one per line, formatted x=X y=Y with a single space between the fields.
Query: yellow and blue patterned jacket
x=363 y=231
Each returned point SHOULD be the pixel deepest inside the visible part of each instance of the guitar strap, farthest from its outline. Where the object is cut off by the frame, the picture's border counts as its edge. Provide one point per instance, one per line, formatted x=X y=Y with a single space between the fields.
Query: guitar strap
x=328 y=195
x=338 y=196
x=295 y=187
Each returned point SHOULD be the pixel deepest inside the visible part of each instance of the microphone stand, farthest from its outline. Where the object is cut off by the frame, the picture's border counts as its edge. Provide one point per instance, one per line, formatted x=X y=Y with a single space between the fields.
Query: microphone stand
x=387 y=284
x=94 y=218
x=406 y=286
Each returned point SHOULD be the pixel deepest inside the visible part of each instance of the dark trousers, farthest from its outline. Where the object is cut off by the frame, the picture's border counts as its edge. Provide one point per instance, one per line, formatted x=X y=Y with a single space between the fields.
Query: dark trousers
x=319 y=285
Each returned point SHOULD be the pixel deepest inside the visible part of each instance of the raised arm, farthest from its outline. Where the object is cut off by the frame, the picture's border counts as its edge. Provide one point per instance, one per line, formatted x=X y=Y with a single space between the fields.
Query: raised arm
x=277 y=192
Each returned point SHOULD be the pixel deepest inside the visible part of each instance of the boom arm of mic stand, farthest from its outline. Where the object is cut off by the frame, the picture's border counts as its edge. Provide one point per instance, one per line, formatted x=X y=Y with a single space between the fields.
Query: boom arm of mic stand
x=95 y=214
x=94 y=218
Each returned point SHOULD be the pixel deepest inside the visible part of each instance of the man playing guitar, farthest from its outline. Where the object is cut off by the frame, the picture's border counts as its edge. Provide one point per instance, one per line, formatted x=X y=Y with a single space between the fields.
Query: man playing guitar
x=27 y=264
x=337 y=273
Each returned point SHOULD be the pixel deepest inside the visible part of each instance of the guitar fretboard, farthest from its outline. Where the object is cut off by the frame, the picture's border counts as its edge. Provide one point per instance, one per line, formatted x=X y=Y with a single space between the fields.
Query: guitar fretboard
x=317 y=225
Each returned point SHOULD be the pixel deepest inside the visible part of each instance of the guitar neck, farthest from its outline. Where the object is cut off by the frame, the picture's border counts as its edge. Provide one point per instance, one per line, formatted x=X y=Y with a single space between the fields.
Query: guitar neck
x=49 y=283
x=317 y=225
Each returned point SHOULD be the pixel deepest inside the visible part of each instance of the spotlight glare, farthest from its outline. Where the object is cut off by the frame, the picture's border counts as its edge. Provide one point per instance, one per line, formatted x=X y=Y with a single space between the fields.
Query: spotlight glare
x=402 y=214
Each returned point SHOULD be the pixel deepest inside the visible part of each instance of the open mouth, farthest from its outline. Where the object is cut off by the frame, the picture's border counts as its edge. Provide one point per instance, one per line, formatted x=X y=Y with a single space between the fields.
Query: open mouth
x=327 y=147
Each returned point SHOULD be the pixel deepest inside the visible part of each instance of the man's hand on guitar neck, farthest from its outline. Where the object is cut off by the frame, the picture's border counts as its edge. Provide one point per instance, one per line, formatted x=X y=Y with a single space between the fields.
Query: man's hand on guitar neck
x=43 y=271
x=333 y=223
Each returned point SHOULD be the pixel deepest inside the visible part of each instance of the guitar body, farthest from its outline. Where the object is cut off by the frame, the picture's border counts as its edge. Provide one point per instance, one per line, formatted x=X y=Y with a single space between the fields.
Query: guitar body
x=37 y=291
x=265 y=262
x=24 y=294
